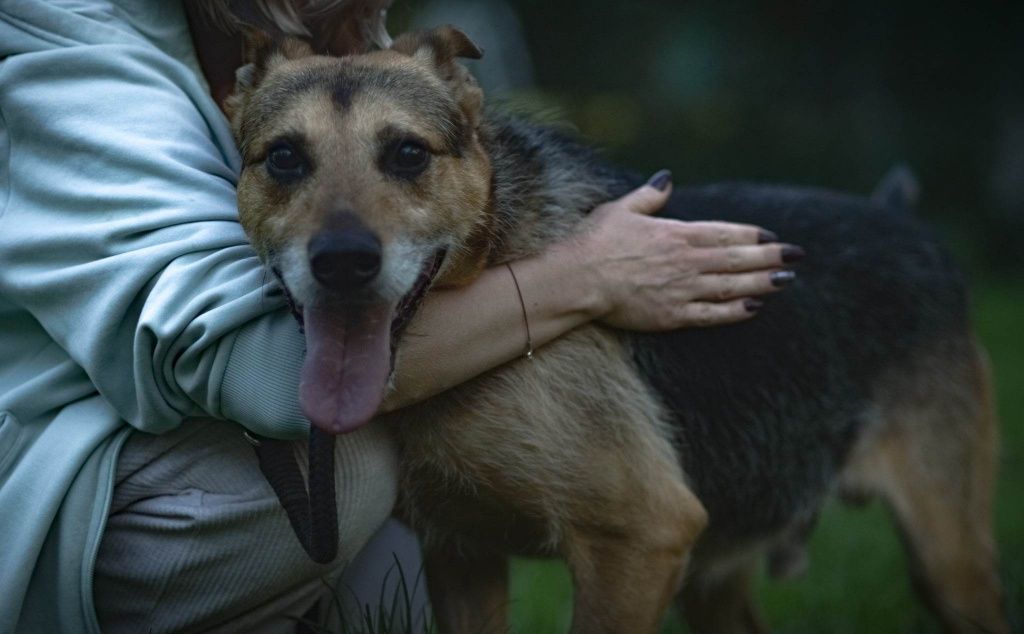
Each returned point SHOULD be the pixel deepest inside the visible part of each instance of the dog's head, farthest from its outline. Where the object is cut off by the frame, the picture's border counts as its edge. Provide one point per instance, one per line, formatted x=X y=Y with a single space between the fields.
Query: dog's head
x=364 y=183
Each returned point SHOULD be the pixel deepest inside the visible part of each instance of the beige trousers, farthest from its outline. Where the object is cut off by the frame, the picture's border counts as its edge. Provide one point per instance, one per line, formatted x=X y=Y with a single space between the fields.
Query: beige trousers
x=196 y=539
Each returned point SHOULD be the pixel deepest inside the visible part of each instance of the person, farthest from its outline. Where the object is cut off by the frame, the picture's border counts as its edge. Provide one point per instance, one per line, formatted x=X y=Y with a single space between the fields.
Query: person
x=141 y=336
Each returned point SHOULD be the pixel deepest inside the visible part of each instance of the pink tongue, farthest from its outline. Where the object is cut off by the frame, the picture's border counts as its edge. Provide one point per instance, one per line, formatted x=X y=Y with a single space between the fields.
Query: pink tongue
x=348 y=360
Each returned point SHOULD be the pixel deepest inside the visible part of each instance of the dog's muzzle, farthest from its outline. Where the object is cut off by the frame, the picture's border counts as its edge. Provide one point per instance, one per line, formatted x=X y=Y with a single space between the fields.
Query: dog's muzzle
x=352 y=319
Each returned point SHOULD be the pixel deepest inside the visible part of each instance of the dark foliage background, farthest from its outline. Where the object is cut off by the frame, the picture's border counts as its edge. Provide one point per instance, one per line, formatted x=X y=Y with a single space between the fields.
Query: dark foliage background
x=823 y=93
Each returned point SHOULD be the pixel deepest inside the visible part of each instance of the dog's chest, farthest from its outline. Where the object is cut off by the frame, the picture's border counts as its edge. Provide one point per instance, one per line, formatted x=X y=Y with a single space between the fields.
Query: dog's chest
x=514 y=456
x=519 y=454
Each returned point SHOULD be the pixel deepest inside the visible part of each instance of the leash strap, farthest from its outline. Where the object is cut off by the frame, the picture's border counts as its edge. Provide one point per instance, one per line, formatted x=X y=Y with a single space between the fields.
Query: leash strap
x=313 y=514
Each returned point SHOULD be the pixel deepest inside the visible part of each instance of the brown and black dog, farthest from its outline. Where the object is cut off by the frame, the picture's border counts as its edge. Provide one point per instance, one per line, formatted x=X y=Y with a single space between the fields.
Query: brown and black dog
x=372 y=178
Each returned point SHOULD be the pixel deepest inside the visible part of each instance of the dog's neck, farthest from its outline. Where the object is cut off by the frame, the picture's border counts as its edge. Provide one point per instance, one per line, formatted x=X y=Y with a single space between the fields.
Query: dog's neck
x=543 y=185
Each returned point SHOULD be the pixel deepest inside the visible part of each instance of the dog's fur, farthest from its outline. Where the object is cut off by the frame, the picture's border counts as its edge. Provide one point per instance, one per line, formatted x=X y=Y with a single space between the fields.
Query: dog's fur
x=631 y=454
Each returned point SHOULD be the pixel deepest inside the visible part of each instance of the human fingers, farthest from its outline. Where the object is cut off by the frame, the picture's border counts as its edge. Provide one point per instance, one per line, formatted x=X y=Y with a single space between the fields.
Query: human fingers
x=649 y=198
x=721 y=234
x=725 y=286
x=706 y=314
x=738 y=259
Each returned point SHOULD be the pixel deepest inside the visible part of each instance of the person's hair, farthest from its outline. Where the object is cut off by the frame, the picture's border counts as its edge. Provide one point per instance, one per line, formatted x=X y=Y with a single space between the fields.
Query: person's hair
x=292 y=17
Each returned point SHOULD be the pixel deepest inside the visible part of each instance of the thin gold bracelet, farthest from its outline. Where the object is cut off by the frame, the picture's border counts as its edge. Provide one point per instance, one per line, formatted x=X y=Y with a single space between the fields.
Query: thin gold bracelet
x=522 y=304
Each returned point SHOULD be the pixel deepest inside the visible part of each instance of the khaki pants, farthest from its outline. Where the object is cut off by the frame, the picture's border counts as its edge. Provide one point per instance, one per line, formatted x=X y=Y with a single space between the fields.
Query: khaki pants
x=196 y=538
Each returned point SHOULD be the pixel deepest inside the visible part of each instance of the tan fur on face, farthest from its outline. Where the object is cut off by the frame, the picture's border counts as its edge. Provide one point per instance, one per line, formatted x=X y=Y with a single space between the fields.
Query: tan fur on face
x=339 y=115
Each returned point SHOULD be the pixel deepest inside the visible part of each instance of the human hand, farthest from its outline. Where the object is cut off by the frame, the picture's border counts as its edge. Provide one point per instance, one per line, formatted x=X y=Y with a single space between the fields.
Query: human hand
x=661 y=274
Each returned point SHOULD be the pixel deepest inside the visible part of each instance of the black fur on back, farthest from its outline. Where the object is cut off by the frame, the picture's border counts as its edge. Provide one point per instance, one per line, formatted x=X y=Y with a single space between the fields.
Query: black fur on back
x=766 y=410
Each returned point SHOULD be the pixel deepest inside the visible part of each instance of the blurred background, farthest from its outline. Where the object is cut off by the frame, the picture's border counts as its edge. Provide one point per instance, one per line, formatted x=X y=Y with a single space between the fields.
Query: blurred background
x=815 y=93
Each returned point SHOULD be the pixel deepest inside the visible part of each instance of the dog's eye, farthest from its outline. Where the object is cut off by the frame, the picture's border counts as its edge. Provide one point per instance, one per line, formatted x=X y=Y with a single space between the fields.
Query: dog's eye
x=407 y=159
x=285 y=163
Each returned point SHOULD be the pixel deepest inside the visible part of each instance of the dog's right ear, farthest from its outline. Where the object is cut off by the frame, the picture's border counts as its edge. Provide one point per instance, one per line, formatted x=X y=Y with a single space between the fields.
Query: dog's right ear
x=262 y=52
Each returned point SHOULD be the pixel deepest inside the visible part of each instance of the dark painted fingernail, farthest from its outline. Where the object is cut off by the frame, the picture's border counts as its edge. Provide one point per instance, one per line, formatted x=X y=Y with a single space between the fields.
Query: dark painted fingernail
x=764 y=236
x=783 y=278
x=660 y=180
x=792 y=253
x=752 y=305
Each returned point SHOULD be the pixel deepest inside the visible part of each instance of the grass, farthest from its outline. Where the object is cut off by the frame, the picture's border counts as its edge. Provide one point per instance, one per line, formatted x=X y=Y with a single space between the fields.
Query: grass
x=857 y=580
x=395 y=610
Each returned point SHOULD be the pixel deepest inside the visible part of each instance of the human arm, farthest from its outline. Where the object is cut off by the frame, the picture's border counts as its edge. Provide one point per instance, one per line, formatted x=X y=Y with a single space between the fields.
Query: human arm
x=120 y=237
x=624 y=268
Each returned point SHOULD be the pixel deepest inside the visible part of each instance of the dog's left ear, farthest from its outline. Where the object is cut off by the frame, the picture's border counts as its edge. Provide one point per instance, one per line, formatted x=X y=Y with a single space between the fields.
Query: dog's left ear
x=441 y=45
x=441 y=48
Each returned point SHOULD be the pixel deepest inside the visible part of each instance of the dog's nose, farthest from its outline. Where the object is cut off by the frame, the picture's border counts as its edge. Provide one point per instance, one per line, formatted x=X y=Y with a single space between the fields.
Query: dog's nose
x=344 y=260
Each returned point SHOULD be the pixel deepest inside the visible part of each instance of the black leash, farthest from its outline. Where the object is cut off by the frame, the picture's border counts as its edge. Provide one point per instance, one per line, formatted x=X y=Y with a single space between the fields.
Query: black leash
x=313 y=514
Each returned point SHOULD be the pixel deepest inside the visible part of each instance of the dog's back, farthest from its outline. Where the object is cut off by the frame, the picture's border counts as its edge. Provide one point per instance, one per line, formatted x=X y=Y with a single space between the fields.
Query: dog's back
x=767 y=410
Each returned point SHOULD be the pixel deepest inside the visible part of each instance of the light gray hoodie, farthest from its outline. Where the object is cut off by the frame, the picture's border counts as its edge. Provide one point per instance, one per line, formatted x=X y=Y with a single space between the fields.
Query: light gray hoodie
x=129 y=296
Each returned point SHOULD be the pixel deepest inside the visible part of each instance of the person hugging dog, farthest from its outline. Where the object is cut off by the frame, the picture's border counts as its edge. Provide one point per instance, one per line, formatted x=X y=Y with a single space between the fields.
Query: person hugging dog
x=141 y=336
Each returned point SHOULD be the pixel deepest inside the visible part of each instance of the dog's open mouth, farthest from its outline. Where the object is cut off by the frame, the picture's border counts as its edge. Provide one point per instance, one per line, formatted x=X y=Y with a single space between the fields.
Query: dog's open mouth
x=350 y=352
x=409 y=304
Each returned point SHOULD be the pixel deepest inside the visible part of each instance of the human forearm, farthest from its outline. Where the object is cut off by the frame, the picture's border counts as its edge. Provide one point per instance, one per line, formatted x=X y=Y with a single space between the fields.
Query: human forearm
x=623 y=268
x=461 y=333
x=124 y=244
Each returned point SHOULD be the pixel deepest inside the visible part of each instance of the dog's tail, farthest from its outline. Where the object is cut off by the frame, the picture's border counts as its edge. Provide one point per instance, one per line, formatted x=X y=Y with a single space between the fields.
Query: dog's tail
x=898 y=189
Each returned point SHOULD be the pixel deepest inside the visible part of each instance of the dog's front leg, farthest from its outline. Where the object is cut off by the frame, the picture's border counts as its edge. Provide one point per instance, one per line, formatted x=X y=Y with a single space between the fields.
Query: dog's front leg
x=468 y=593
x=625 y=578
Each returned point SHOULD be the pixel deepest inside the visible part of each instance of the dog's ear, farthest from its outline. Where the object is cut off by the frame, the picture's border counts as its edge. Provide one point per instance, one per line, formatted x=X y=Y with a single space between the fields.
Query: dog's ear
x=441 y=45
x=440 y=48
x=262 y=51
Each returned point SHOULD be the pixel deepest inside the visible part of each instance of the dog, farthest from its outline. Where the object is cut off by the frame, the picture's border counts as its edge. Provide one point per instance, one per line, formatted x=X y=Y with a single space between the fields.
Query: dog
x=371 y=179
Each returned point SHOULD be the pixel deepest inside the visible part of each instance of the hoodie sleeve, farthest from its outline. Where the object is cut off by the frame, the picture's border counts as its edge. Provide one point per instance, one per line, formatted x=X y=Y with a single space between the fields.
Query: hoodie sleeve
x=119 y=234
